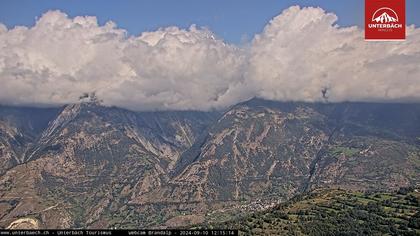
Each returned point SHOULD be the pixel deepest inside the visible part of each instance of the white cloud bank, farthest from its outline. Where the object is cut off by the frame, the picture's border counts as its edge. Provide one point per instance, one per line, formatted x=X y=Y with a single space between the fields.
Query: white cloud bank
x=298 y=53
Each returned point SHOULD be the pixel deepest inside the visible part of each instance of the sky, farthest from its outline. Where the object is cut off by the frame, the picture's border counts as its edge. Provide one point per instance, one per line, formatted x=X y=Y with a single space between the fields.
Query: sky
x=200 y=55
x=233 y=20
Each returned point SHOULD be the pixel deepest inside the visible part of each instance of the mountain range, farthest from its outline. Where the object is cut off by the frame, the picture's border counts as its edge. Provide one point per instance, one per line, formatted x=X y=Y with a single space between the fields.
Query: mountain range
x=385 y=18
x=86 y=165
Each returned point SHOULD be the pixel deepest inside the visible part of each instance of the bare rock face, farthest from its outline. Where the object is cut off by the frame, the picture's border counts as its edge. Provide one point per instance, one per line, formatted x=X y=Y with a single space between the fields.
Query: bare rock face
x=90 y=166
x=9 y=158
x=271 y=150
x=251 y=152
x=90 y=161
x=19 y=129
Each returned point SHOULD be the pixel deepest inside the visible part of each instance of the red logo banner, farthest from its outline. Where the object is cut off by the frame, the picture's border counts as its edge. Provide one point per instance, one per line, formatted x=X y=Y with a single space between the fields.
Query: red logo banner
x=384 y=20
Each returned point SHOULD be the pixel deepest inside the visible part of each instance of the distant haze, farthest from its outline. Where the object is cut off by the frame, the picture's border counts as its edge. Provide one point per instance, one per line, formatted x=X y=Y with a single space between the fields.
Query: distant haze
x=300 y=55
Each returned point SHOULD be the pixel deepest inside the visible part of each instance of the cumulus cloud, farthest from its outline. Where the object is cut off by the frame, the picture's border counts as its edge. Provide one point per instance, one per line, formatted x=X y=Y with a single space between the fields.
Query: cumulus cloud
x=302 y=51
x=298 y=53
x=60 y=58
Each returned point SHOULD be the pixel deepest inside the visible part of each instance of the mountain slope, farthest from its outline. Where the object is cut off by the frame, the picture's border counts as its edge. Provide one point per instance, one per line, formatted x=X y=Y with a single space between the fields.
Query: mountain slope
x=334 y=212
x=266 y=150
x=86 y=165
x=91 y=160
x=19 y=130
x=252 y=152
x=376 y=146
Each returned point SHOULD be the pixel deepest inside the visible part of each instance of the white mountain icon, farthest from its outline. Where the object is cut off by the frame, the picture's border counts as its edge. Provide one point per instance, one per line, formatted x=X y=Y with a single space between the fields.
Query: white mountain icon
x=385 y=18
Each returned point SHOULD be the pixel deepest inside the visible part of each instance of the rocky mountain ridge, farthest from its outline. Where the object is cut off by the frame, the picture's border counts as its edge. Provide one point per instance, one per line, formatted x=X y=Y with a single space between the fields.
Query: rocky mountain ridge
x=86 y=165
